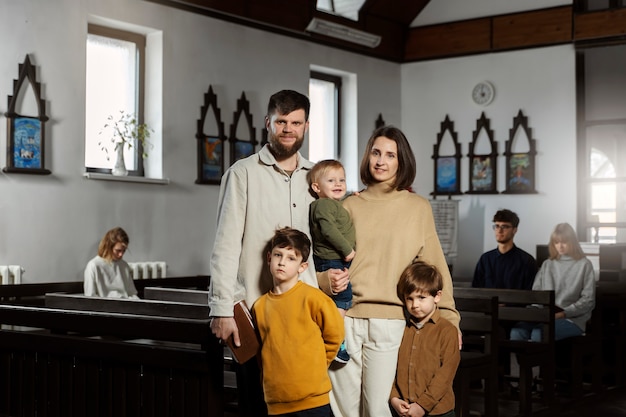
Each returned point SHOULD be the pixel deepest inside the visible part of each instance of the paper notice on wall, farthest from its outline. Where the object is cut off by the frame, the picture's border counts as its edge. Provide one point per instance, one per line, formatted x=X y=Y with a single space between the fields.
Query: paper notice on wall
x=446 y=213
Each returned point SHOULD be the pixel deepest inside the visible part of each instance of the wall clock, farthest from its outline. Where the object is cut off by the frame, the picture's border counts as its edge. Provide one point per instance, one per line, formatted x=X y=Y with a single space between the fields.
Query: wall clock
x=483 y=93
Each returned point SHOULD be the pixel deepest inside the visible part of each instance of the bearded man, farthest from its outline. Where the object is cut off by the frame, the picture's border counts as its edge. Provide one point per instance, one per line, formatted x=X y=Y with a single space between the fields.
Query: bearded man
x=259 y=194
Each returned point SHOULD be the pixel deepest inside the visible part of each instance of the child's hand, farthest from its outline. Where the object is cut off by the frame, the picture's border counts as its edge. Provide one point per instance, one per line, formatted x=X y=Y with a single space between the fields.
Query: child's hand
x=350 y=256
x=401 y=406
x=416 y=410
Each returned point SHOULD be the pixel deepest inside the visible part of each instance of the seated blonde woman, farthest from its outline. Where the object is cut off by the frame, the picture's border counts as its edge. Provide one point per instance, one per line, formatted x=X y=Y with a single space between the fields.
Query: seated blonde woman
x=108 y=275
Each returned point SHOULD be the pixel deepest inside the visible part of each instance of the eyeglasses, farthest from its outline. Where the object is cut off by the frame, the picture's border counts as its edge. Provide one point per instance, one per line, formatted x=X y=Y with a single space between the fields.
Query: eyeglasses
x=502 y=227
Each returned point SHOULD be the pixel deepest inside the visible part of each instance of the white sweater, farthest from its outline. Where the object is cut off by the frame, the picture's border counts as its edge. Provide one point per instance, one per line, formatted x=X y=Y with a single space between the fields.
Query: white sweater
x=574 y=285
x=109 y=279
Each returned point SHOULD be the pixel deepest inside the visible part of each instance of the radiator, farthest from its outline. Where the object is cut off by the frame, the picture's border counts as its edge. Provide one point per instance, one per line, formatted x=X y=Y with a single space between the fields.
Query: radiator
x=144 y=270
x=11 y=274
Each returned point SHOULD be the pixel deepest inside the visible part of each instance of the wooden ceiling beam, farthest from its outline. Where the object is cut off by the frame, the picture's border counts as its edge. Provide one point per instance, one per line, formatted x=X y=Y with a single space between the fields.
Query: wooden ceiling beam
x=491 y=34
x=403 y=12
x=600 y=25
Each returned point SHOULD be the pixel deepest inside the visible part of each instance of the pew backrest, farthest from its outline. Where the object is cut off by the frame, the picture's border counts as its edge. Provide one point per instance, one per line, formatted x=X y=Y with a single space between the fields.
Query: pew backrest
x=177 y=295
x=479 y=322
x=520 y=305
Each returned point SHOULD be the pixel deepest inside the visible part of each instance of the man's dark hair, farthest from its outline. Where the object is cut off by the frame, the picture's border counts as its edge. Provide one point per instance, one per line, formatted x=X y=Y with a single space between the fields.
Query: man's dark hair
x=288 y=237
x=506 y=216
x=286 y=101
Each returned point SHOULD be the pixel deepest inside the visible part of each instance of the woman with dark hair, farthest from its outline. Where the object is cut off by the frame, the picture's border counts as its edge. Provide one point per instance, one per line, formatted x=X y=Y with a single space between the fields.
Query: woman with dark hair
x=393 y=227
x=108 y=275
x=570 y=274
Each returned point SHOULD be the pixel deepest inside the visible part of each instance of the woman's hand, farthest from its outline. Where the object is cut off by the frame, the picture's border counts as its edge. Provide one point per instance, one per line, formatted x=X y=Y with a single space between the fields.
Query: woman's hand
x=339 y=279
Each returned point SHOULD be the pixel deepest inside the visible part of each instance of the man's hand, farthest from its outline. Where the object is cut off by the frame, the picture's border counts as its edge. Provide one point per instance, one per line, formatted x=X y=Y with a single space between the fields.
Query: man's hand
x=339 y=279
x=224 y=327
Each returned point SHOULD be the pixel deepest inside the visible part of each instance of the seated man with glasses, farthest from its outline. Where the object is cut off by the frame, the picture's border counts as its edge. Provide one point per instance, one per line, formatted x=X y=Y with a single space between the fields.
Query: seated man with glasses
x=507 y=266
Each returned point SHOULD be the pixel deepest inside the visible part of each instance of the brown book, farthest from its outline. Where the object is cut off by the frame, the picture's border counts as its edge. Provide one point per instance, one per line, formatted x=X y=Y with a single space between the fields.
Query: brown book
x=248 y=335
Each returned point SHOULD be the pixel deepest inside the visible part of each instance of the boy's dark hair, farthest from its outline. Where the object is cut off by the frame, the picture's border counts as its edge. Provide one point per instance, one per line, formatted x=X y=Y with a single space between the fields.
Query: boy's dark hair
x=320 y=169
x=286 y=101
x=292 y=238
x=506 y=216
x=421 y=277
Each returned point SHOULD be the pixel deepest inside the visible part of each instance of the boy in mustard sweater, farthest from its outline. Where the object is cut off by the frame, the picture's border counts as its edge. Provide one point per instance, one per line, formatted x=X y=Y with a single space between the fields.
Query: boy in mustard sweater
x=301 y=331
x=429 y=351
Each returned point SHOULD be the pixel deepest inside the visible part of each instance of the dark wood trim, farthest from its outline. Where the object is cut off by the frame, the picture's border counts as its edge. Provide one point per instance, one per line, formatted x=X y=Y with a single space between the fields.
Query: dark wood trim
x=449 y=39
x=490 y=34
x=608 y=24
x=536 y=28
x=581 y=149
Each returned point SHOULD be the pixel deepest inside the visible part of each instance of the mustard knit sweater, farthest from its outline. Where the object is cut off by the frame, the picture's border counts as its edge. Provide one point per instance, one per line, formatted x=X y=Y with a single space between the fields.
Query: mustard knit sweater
x=392 y=229
x=301 y=331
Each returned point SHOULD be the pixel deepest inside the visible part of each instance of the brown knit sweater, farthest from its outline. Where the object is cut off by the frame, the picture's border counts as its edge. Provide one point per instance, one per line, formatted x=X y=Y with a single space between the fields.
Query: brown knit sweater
x=392 y=229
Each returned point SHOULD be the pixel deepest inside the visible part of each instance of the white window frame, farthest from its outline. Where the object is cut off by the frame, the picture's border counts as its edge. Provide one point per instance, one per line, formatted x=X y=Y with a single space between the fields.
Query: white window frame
x=325 y=127
x=91 y=136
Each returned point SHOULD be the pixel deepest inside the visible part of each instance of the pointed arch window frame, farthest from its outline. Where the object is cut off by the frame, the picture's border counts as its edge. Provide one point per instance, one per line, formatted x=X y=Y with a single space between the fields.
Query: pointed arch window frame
x=483 y=168
x=380 y=122
x=26 y=156
x=447 y=168
x=242 y=148
x=520 y=166
x=210 y=148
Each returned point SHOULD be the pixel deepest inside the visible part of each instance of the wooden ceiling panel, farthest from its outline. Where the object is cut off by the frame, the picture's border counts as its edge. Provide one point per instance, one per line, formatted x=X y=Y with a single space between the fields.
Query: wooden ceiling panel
x=392 y=35
x=232 y=7
x=541 y=27
x=292 y=14
x=403 y=12
x=596 y=25
x=450 y=39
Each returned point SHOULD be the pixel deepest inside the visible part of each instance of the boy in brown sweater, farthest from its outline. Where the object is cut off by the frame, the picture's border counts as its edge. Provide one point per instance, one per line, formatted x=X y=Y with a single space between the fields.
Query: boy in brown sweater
x=429 y=351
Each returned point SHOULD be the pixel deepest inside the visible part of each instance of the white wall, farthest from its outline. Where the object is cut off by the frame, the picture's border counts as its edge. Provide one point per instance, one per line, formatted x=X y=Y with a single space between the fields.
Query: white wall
x=540 y=82
x=51 y=225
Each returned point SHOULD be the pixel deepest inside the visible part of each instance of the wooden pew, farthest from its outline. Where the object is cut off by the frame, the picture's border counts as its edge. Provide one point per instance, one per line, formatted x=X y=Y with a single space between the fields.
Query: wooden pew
x=611 y=300
x=479 y=357
x=514 y=307
x=177 y=295
x=88 y=362
x=34 y=293
x=202 y=297
x=131 y=306
x=580 y=356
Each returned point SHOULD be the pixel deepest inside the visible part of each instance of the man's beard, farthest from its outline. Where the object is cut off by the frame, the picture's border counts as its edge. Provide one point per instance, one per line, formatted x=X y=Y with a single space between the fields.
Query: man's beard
x=281 y=151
